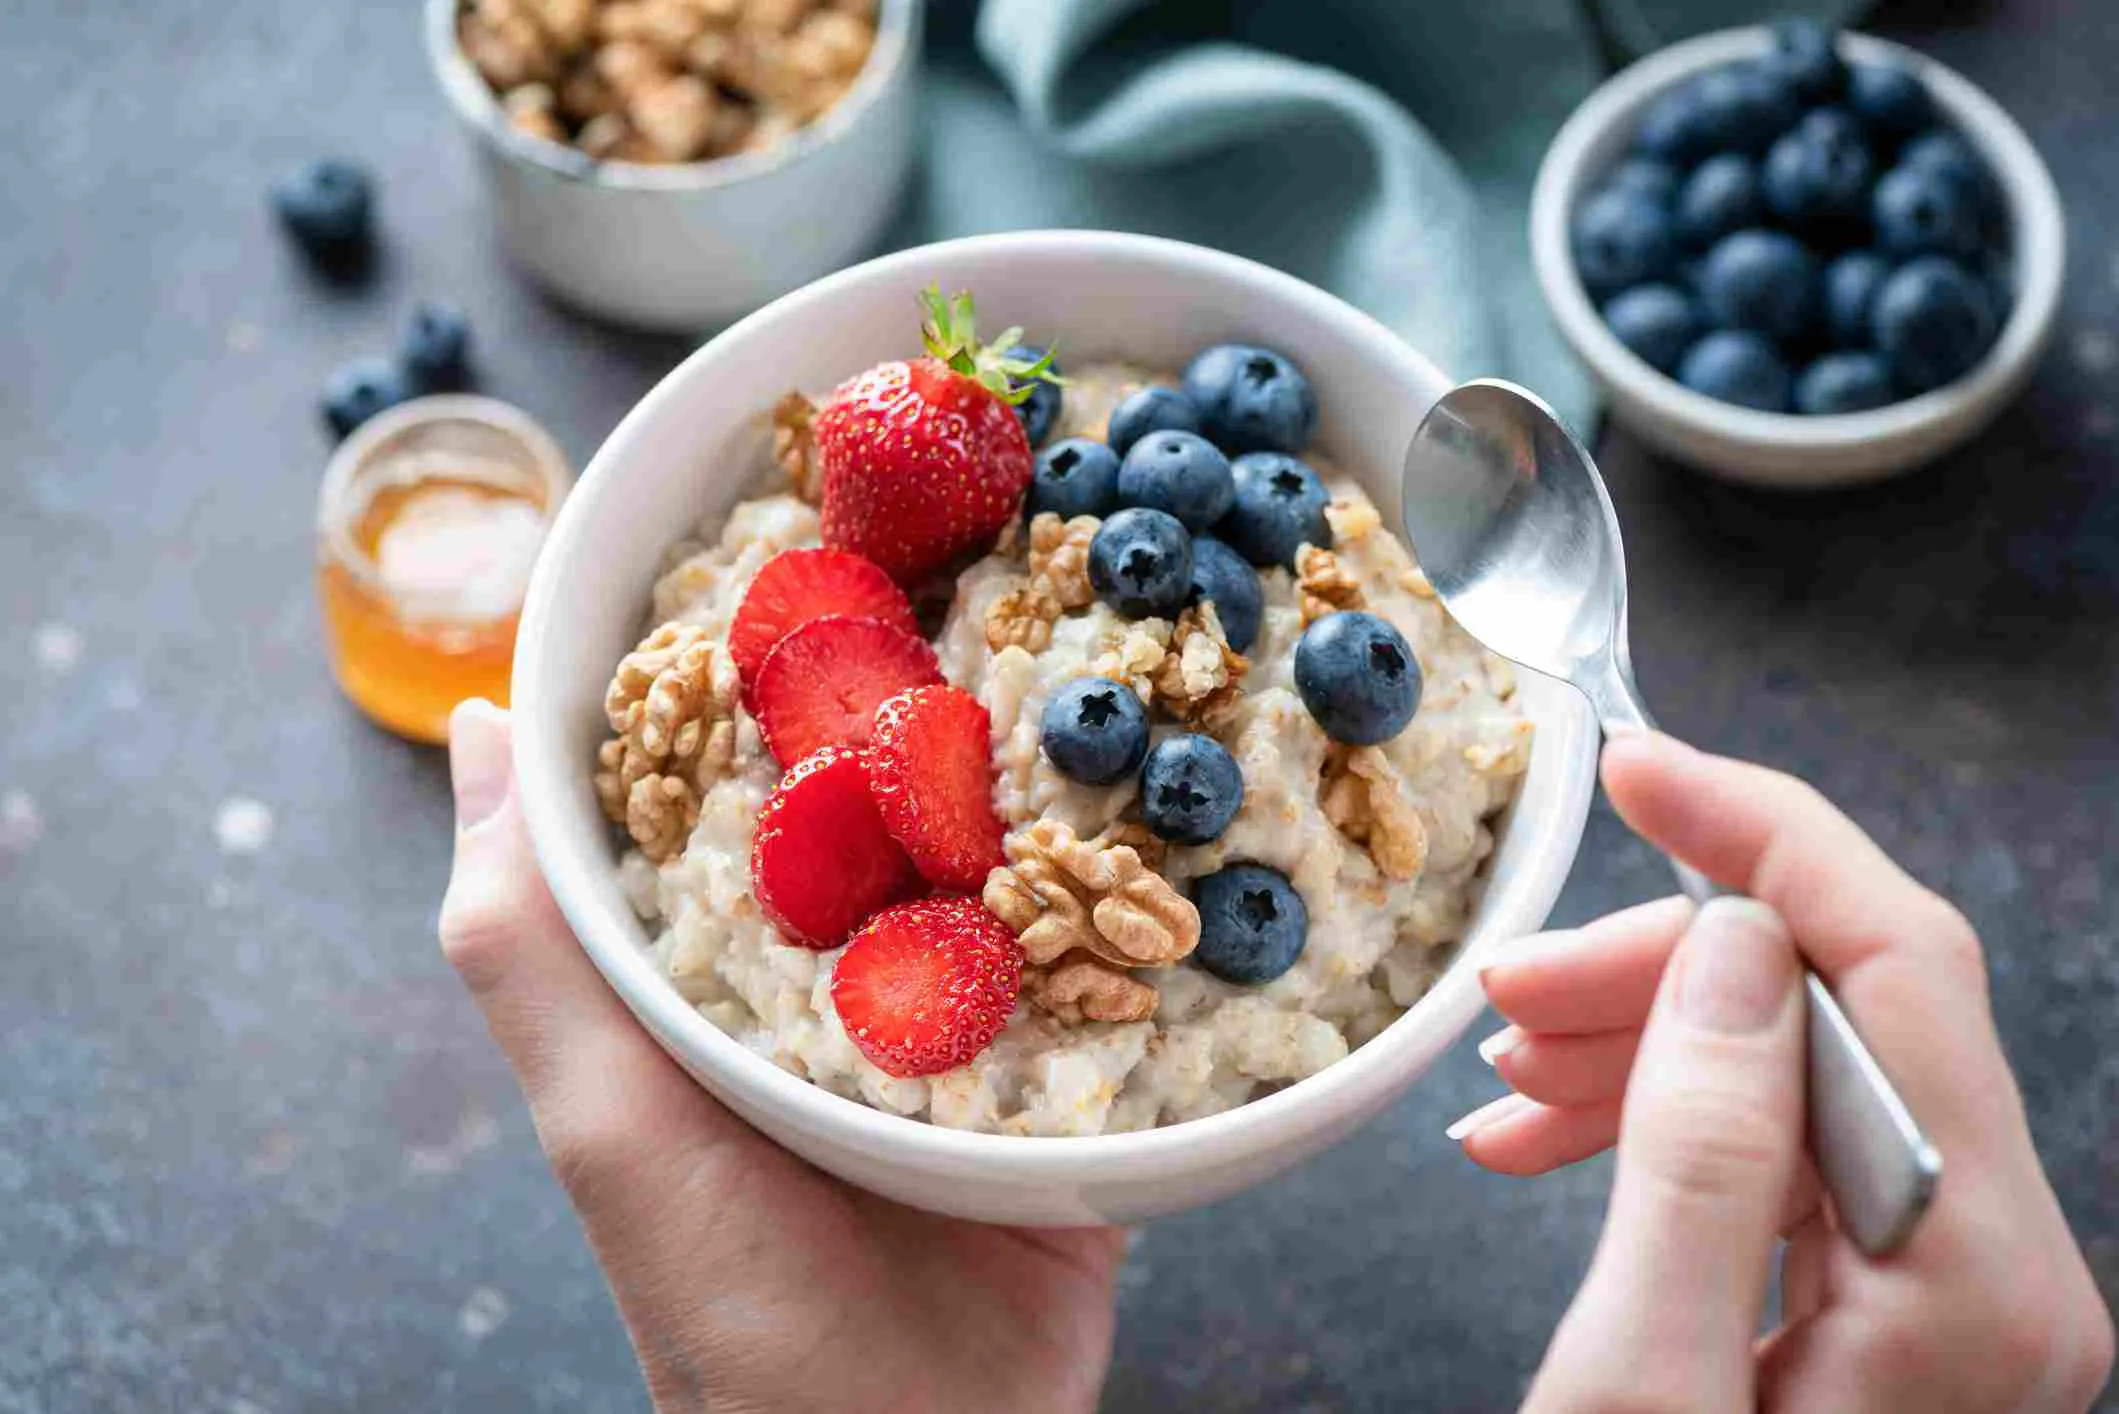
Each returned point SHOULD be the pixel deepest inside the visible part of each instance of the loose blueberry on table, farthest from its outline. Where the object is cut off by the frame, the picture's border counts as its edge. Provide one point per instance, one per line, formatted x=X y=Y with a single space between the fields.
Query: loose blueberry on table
x=328 y=207
x=1808 y=187
x=359 y=390
x=436 y=349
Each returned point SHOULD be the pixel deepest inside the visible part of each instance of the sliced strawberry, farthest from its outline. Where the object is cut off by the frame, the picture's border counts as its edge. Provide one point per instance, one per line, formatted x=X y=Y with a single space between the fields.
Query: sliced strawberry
x=821 y=861
x=931 y=768
x=821 y=684
x=925 y=986
x=924 y=462
x=796 y=586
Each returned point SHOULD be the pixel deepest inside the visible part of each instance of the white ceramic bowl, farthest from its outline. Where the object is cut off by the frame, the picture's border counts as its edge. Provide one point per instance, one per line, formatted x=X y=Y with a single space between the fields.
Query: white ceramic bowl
x=1781 y=449
x=686 y=452
x=687 y=248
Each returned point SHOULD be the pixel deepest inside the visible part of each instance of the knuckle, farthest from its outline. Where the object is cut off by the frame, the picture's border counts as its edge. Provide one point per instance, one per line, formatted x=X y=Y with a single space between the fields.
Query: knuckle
x=2093 y=1364
x=1705 y=1148
x=1948 y=933
x=478 y=926
x=587 y=1147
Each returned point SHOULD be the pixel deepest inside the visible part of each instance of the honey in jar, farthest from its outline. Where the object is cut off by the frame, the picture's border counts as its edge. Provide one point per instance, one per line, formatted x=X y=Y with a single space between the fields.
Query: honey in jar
x=427 y=530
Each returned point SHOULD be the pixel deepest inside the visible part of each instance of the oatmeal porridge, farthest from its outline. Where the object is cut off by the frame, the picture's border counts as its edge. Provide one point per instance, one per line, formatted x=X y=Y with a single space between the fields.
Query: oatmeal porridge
x=1184 y=847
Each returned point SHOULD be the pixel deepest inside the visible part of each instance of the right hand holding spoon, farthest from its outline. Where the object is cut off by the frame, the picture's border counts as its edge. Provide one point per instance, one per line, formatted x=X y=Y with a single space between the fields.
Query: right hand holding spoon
x=1692 y=1019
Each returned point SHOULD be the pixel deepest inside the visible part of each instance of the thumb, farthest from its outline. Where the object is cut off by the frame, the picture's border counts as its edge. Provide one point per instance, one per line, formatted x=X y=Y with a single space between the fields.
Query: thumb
x=1709 y=1144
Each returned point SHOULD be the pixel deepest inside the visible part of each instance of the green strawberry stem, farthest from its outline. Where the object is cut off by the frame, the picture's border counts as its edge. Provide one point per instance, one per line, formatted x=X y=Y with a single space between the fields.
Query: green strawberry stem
x=950 y=336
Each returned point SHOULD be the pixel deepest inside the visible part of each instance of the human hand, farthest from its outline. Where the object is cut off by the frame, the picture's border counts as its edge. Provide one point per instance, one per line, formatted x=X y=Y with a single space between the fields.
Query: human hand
x=1695 y=1019
x=748 y=1279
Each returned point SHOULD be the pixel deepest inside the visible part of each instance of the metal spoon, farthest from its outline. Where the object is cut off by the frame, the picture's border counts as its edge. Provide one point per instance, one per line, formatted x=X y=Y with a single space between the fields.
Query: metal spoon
x=1512 y=525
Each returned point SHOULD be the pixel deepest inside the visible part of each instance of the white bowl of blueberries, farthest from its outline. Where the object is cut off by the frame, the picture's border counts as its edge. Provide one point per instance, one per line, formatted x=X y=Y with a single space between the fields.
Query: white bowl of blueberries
x=1799 y=258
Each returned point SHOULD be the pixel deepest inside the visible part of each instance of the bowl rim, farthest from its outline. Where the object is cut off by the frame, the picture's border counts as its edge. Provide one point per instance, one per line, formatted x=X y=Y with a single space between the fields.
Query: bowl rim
x=479 y=107
x=1372 y=1073
x=2040 y=252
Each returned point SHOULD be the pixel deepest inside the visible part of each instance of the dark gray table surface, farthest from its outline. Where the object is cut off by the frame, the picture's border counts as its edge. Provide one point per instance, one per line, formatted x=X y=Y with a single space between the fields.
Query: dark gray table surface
x=256 y=1153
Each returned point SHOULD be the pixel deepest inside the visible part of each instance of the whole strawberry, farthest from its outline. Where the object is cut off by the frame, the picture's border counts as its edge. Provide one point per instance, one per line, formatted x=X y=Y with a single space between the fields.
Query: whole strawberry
x=925 y=461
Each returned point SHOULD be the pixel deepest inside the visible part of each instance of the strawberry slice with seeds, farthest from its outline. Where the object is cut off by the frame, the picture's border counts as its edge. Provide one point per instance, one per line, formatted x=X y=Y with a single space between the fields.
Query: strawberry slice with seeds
x=796 y=586
x=931 y=768
x=820 y=860
x=821 y=684
x=924 y=987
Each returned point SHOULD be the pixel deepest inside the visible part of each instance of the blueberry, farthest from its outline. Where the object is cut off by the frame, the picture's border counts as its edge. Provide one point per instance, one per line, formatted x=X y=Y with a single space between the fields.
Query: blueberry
x=1919 y=211
x=1150 y=409
x=1358 y=677
x=1721 y=195
x=1736 y=366
x=1817 y=177
x=1770 y=106
x=1189 y=789
x=1942 y=151
x=1933 y=320
x=1279 y=507
x=1849 y=381
x=1806 y=55
x=327 y=206
x=1644 y=176
x=1621 y=239
x=1658 y=322
x=1851 y=283
x=1832 y=124
x=1762 y=280
x=1674 y=129
x=1095 y=731
x=1732 y=116
x=1179 y=472
x=1041 y=409
x=1223 y=576
x=1075 y=476
x=1251 y=399
x=436 y=349
x=359 y=390
x=1140 y=563
x=1252 y=923
x=1890 y=99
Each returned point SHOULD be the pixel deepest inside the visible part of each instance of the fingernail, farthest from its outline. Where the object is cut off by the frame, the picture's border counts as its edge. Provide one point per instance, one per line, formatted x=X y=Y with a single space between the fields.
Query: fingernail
x=1615 y=730
x=1738 y=966
x=1501 y=1043
x=478 y=760
x=1488 y=1114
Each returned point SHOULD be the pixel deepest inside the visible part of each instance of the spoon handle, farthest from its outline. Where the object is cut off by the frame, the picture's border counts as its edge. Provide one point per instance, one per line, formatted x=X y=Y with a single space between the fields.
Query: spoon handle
x=1879 y=1168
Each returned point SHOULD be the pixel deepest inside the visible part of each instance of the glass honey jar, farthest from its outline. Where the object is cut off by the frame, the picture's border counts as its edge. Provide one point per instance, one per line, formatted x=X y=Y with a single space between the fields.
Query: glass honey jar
x=428 y=526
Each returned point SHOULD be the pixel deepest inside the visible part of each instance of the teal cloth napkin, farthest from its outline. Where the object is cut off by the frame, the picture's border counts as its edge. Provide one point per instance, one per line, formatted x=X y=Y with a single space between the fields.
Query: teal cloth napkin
x=1383 y=149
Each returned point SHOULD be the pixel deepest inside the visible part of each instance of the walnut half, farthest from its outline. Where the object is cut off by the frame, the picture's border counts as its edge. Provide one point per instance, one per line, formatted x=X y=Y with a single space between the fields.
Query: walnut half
x=671 y=703
x=1083 y=987
x=1058 y=581
x=1059 y=892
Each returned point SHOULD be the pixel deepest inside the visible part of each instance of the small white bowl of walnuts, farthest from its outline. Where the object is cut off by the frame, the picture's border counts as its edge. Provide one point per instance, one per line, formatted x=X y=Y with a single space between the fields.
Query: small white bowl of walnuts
x=674 y=164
